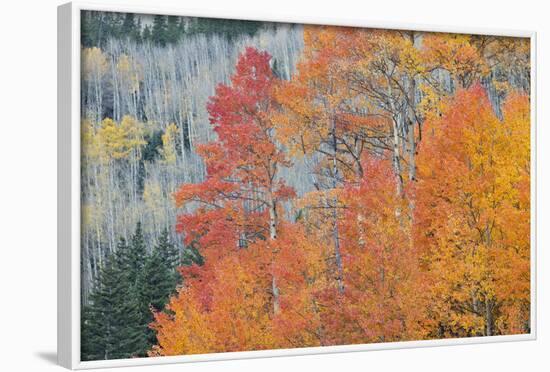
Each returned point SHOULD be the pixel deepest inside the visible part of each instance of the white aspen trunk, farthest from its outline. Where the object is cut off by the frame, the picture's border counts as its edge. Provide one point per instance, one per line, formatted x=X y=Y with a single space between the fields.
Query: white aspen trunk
x=116 y=92
x=410 y=134
x=190 y=128
x=362 y=232
x=337 y=254
x=273 y=220
x=396 y=142
x=275 y=289
x=98 y=242
x=411 y=140
x=111 y=221
x=335 y=233
x=412 y=118
x=359 y=174
x=98 y=95
x=397 y=158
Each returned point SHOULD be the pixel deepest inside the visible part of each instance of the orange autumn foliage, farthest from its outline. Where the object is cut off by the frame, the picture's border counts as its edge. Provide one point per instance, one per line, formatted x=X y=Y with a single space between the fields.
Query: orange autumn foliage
x=225 y=305
x=384 y=282
x=472 y=215
x=442 y=253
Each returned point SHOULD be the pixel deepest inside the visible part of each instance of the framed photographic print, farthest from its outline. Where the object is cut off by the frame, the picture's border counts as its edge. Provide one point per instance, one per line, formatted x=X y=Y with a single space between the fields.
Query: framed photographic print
x=248 y=187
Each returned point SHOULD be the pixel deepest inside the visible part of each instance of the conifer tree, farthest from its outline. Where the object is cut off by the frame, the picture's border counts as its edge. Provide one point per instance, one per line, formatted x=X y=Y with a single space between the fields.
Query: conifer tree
x=136 y=255
x=167 y=250
x=159 y=32
x=172 y=30
x=92 y=333
x=128 y=24
x=146 y=34
x=191 y=255
x=113 y=324
x=155 y=285
x=100 y=323
x=131 y=337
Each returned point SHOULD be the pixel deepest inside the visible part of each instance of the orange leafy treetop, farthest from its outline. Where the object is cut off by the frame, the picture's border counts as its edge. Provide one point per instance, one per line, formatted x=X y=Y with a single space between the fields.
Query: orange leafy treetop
x=472 y=215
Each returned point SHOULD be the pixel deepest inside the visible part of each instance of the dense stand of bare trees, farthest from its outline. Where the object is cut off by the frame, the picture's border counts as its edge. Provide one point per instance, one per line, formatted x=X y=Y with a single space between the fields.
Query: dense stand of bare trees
x=143 y=112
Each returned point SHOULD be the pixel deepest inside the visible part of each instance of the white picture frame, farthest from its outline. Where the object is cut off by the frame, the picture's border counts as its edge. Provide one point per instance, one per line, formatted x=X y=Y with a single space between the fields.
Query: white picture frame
x=68 y=322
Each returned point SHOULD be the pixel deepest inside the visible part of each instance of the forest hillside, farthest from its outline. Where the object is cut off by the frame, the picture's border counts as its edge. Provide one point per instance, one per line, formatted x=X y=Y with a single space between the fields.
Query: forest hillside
x=144 y=96
x=250 y=185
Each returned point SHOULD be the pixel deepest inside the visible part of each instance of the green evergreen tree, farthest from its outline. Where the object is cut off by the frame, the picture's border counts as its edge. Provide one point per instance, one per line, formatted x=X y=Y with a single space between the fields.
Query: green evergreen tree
x=182 y=25
x=146 y=34
x=157 y=282
x=167 y=250
x=130 y=285
x=155 y=285
x=191 y=255
x=87 y=347
x=100 y=323
x=129 y=27
x=98 y=27
x=132 y=335
x=172 y=30
x=159 y=33
x=137 y=31
x=136 y=255
x=158 y=279
x=225 y=27
x=112 y=325
x=86 y=32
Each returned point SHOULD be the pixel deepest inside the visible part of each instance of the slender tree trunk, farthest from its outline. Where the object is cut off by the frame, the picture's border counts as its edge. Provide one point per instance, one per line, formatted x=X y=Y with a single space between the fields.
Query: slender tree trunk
x=116 y=92
x=396 y=142
x=412 y=117
x=359 y=174
x=98 y=95
x=337 y=254
x=335 y=233
x=489 y=317
x=410 y=131
x=275 y=289
x=397 y=158
x=273 y=221
x=411 y=140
